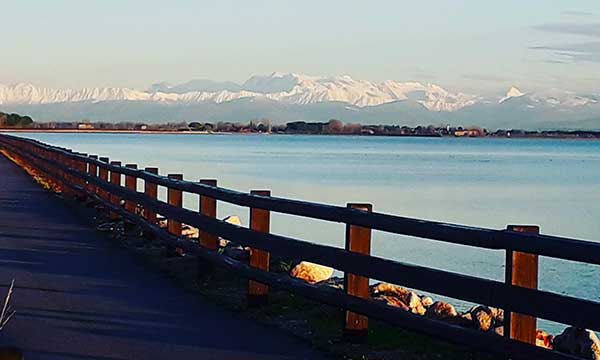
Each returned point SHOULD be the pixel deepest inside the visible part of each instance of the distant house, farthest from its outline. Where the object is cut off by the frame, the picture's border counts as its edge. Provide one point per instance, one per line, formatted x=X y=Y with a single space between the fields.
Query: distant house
x=140 y=127
x=468 y=133
x=85 y=126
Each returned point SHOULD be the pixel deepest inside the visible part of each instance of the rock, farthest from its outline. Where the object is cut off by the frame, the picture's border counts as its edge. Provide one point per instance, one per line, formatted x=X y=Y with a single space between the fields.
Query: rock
x=498 y=315
x=392 y=301
x=482 y=318
x=543 y=339
x=233 y=220
x=577 y=341
x=189 y=232
x=414 y=304
x=408 y=298
x=441 y=310
x=335 y=282
x=390 y=290
x=426 y=301
x=311 y=273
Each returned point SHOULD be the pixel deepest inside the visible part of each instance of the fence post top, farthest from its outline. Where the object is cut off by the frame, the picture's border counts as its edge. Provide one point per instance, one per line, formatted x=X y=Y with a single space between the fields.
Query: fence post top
x=131 y=166
x=360 y=206
x=533 y=229
x=93 y=156
x=152 y=170
x=104 y=159
x=210 y=182
x=115 y=162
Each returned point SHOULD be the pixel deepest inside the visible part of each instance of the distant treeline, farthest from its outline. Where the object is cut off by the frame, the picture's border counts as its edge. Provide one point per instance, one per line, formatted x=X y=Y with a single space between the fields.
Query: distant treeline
x=14 y=121
x=331 y=127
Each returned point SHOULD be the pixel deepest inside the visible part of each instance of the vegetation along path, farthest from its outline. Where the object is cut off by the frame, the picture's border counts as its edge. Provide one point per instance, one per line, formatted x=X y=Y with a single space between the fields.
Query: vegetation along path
x=79 y=296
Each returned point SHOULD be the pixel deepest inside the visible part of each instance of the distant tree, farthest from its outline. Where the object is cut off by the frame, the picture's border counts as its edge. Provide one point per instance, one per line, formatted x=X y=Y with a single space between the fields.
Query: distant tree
x=15 y=120
x=335 y=126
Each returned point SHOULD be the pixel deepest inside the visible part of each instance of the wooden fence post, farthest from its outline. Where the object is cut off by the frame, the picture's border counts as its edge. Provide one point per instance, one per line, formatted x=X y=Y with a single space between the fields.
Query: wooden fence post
x=521 y=270
x=260 y=220
x=131 y=184
x=151 y=191
x=115 y=179
x=358 y=239
x=208 y=207
x=103 y=175
x=92 y=171
x=64 y=160
x=174 y=198
x=81 y=166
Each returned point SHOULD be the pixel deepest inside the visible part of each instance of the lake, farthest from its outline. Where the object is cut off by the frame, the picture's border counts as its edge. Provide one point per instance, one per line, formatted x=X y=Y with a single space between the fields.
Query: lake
x=482 y=182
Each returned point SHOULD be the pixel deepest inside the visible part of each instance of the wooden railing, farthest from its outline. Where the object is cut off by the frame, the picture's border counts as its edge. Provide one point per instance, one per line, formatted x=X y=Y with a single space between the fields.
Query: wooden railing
x=90 y=177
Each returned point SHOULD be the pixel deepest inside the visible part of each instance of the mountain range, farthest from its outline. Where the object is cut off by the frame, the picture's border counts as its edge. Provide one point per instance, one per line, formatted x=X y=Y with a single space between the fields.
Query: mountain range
x=284 y=97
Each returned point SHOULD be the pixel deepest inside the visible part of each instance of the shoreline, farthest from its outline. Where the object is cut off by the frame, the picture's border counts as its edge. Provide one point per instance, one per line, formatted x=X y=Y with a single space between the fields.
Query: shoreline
x=176 y=132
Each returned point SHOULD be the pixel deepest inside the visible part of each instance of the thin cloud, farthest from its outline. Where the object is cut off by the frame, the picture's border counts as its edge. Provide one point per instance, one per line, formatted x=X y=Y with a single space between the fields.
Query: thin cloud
x=592 y=30
x=577 y=52
x=483 y=77
x=577 y=13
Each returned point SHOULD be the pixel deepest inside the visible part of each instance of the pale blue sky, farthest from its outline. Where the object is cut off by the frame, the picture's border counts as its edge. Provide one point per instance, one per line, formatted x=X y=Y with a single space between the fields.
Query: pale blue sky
x=475 y=46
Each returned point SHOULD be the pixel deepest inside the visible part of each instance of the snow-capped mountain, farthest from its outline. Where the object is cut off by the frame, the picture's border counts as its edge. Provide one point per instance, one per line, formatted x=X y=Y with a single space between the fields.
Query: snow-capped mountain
x=287 y=88
x=289 y=97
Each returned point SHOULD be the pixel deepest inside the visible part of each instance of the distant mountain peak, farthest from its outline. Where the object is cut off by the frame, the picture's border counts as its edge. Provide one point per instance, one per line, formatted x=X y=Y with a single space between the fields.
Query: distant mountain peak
x=513 y=92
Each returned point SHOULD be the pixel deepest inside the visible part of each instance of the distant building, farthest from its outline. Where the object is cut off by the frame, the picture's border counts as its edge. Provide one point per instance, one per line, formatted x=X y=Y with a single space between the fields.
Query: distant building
x=468 y=133
x=85 y=126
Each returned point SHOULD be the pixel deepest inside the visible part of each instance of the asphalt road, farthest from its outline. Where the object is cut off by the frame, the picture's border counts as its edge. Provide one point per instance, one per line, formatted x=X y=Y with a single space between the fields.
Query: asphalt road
x=78 y=296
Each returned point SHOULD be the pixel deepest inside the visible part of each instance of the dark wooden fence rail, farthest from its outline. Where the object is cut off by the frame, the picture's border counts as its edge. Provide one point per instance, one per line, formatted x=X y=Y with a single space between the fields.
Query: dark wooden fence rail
x=85 y=176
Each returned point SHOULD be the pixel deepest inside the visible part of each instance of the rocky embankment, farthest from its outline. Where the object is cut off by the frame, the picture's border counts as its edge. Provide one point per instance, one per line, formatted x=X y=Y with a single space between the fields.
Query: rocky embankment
x=572 y=340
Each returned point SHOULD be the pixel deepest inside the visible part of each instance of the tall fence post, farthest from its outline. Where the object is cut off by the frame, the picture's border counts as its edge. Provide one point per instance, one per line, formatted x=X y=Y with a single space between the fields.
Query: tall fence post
x=93 y=172
x=260 y=220
x=115 y=179
x=81 y=166
x=521 y=270
x=174 y=198
x=151 y=191
x=208 y=208
x=131 y=184
x=358 y=240
x=65 y=161
x=103 y=175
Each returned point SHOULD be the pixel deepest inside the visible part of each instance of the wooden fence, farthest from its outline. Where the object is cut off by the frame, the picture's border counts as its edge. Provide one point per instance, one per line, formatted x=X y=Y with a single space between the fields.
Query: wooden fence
x=93 y=177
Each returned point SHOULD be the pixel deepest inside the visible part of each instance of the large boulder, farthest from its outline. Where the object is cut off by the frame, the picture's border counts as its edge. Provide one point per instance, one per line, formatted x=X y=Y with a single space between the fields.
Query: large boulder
x=189 y=232
x=441 y=310
x=543 y=339
x=399 y=297
x=310 y=272
x=482 y=317
x=426 y=301
x=390 y=290
x=577 y=341
x=233 y=220
x=414 y=304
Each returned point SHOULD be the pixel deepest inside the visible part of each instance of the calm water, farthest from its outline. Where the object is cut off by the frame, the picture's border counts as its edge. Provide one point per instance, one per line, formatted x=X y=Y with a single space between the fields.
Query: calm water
x=481 y=182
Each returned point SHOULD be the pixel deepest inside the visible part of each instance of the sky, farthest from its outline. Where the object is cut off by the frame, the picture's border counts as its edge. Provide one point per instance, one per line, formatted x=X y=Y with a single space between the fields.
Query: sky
x=470 y=46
